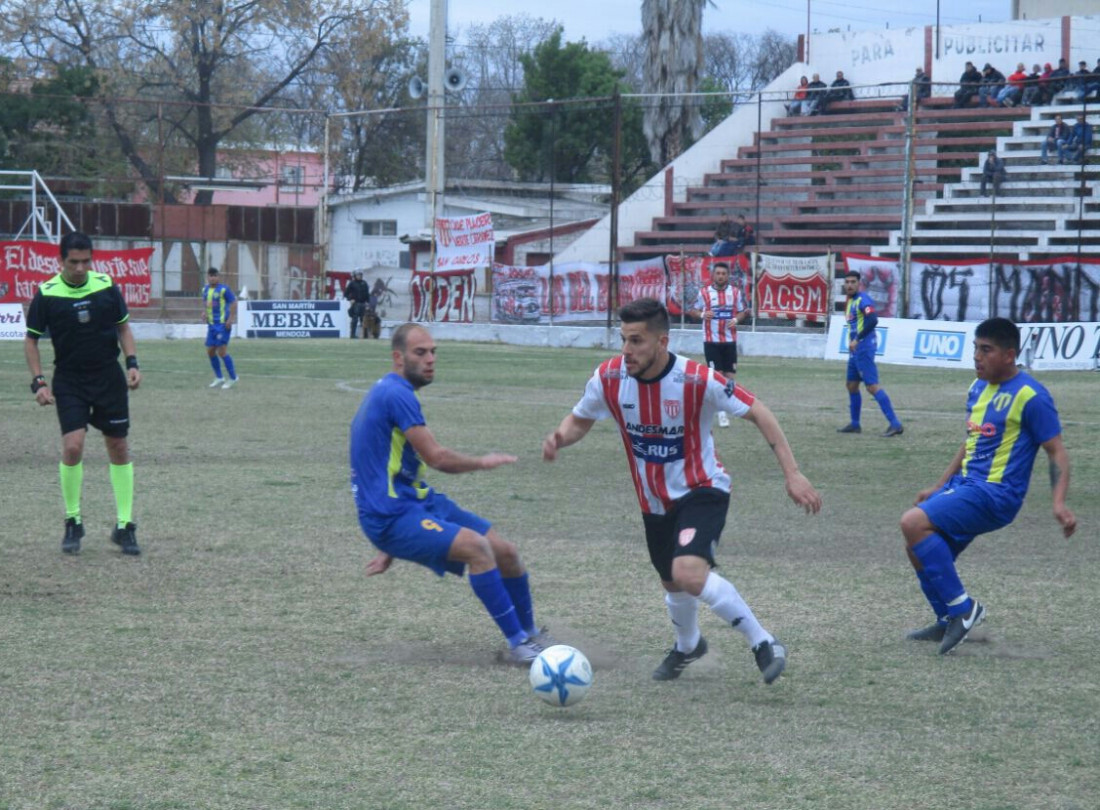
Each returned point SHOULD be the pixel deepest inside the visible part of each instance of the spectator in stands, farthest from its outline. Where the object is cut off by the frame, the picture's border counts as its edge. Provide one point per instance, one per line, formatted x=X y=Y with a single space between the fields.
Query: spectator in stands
x=746 y=235
x=795 y=107
x=1091 y=84
x=1080 y=141
x=1080 y=78
x=815 y=92
x=969 y=83
x=1046 y=85
x=993 y=172
x=1013 y=90
x=922 y=84
x=839 y=90
x=725 y=240
x=1058 y=78
x=1033 y=87
x=992 y=82
x=1056 y=138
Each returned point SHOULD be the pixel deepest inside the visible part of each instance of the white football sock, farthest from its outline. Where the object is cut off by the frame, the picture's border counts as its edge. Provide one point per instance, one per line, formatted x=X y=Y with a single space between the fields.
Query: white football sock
x=720 y=595
x=683 y=609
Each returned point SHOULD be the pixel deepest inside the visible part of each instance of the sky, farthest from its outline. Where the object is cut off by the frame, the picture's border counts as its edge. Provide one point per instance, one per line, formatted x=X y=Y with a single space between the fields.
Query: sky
x=595 y=20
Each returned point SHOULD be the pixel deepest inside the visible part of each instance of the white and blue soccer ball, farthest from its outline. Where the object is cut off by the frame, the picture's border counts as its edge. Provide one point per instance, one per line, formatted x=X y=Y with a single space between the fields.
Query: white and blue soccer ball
x=561 y=675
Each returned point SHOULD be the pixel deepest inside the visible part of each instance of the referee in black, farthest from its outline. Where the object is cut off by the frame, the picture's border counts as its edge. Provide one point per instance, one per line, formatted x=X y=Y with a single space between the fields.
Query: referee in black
x=87 y=321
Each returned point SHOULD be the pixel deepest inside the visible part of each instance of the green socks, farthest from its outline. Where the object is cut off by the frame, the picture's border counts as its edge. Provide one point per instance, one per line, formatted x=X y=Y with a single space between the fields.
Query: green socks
x=72 y=480
x=122 y=482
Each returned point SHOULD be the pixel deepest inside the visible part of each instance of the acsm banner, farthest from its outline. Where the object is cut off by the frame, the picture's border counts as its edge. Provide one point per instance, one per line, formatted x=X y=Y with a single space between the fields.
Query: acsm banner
x=909 y=342
x=292 y=319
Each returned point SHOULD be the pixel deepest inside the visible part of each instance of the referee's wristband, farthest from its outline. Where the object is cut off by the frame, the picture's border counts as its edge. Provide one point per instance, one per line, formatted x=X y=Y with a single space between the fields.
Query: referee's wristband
x=38 y=382
x=131 y=361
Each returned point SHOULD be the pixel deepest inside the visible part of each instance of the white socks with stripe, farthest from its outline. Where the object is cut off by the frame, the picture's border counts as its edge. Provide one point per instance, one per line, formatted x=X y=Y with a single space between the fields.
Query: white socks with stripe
x=720 y=595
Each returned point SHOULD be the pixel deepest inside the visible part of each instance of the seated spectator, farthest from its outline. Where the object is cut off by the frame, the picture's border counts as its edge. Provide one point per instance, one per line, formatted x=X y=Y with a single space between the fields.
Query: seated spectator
x=724 y=243
x=795 y=107
x=1079 y=79
x=922 y=84
x=1056 y=138
x=1013 y=90
x=839 y=90
x=992 y=83
x=969 y=83
x=815 y=92
x=1046 y=85
x=993 y=171
x=745 y=233
x=1090 y=85
x=1033 y=88
x=1080 y=141
x=1058 y=78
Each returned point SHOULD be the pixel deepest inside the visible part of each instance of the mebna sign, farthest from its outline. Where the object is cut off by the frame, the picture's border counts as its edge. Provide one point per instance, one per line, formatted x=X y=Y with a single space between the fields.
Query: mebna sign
x=292 y=319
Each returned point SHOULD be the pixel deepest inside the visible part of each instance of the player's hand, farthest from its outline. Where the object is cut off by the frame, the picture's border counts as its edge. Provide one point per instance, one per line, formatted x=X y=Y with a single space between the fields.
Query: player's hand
x=852 y=344
x=550 y=446
x=802 y=492
x=924 y=495
x=380 y=564
x=1064 y=515
x=707 y=315
x=133 y=378
x=492 y=460
x=43 y=396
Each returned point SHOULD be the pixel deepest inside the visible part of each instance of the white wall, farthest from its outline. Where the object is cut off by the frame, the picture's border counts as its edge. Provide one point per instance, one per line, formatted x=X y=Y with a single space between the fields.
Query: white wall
x=350 y=250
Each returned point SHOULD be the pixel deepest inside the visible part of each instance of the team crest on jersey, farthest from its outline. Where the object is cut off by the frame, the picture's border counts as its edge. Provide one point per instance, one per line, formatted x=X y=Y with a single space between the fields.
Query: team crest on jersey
x=1002 y=401
x=672 y=408
x=686 y=536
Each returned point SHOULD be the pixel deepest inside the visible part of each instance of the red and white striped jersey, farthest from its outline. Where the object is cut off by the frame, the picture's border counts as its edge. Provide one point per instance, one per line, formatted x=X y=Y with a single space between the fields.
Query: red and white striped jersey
x=726 y=305
x=665 y=425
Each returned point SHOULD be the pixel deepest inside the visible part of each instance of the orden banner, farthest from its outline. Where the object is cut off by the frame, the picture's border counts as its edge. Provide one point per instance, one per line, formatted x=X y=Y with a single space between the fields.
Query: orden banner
x=443 y=296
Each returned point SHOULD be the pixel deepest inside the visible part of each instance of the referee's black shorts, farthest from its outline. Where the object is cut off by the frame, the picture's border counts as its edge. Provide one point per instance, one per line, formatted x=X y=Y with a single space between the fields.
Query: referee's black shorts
x=722 y=356
x=100 y=399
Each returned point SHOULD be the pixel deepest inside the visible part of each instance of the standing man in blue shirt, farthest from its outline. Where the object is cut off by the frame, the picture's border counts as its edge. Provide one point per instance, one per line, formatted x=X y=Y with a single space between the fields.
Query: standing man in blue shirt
x=859 y=311
x=1009 y=417
x=405 y=518
x=219 y=311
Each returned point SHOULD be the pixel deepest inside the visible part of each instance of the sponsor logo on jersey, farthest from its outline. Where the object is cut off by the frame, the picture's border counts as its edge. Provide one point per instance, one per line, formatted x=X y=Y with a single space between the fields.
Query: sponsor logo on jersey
x=654 y=430
x=987 y=429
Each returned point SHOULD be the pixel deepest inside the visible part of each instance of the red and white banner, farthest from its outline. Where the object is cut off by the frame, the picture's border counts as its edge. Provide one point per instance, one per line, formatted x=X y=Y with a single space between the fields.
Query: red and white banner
x=792 y=287
x=443 y=296
x=687 y=277
x=26 y=264
x=463 y=243
x=880 y=278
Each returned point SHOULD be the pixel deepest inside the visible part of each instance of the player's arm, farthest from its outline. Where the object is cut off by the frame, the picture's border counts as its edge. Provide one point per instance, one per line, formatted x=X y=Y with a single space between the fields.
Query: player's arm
x=799 y=488
x=571 y=430
x=447 y=460
x=952 y=469
x=129 y=349
x=232 y=314
x=43 y=395
x=1059 y=483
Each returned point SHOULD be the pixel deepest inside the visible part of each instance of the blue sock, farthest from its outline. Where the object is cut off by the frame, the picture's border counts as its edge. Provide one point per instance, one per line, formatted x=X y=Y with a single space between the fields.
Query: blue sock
x=937 y=605
x=214 y=364
x=489 y=588
x=887 y=409
x=229 y=367
x=520 y=590
x=942 y=578
x=855 y=403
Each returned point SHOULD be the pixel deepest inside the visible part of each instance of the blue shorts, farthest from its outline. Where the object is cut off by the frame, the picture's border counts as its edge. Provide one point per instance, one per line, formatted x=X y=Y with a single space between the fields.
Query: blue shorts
x=962 y=509
x=217 y=335
x=861 y=363
x=424 y=532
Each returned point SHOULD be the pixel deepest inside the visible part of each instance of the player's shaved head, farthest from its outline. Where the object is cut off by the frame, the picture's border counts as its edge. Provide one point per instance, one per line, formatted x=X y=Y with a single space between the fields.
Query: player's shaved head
x=400 y=337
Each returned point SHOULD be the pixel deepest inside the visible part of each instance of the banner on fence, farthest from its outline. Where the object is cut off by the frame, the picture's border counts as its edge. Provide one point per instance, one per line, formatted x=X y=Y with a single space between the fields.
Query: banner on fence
x=687 y=276
x=13 y=324
x=292 y=319
x=463 y=243
x=879 y=278
x=792 y=287
x=948 y=290
x=445 y=296
x=26 y=264
x=1048 y=346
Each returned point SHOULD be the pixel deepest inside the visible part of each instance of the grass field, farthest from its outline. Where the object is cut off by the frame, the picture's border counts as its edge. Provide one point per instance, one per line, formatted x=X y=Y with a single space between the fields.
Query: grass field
x=244 y=661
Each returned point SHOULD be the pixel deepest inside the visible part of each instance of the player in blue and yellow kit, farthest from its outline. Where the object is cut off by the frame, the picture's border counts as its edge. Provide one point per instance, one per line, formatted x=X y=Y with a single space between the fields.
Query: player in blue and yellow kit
x=1009 y=417
x=219 y=310
x=859 y=311
x=405 y=518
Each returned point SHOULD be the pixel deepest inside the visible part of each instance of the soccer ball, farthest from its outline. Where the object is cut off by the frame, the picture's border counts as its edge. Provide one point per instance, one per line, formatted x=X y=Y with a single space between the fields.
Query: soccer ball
x=561 y=675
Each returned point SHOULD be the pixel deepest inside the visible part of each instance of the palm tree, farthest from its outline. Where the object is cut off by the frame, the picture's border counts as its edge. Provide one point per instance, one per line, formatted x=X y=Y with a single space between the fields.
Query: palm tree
x=673 y=32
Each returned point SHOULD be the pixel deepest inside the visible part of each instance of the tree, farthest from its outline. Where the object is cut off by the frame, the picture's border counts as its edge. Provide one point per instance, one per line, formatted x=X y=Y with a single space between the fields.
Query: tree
x=194 y=71
x=550 y=137
x=672 y=30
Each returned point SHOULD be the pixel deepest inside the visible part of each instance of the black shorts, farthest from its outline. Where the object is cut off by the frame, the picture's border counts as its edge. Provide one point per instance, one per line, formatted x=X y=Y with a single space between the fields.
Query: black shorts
x=722 y=356
x=101 y=400
x=691 y=529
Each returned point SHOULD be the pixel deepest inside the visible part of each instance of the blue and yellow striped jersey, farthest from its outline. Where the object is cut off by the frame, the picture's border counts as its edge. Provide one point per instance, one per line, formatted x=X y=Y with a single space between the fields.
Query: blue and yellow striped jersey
x=216 y=299
x=1006 y=424
x=856 y=308
x=386 y=472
